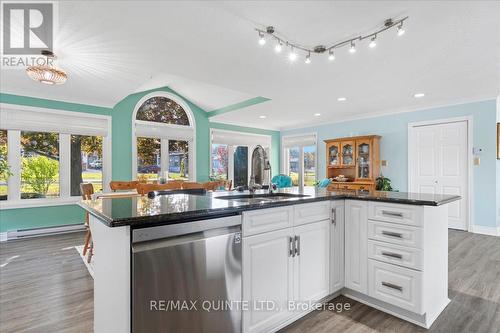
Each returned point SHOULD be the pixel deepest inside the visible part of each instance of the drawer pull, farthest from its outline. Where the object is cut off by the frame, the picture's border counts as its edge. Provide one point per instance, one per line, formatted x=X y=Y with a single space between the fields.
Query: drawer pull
x=297 y=245
x=392 y=286
x=392 y=255
x=291 y=249
x=396 y=214
x=392 y=234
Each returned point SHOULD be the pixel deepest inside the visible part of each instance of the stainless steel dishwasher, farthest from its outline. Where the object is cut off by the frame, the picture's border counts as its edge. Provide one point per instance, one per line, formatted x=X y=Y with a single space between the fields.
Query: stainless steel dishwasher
x=187 y=277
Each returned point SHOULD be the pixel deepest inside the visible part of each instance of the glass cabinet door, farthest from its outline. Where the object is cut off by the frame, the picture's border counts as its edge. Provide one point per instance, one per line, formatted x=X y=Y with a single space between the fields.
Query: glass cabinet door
x=334 y=154
x=364 y=152
x=348 y=153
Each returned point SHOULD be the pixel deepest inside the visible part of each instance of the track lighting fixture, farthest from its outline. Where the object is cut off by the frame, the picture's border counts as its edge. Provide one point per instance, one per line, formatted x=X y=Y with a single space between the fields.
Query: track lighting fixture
x=352 y=49
x=262 y=40
x=331 y=55
x=308 y=59
x=320 y=49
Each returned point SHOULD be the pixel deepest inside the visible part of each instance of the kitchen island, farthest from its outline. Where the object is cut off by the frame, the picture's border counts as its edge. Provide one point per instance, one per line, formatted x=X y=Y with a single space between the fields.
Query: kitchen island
x=269 y=256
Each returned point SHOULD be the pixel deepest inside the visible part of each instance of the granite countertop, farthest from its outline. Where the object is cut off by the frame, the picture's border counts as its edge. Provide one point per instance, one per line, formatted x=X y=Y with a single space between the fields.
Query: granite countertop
x=178 y=208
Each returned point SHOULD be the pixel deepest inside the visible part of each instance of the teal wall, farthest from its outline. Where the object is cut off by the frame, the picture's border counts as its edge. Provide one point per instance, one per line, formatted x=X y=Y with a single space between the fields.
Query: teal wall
x=394 y=147
x=121 y=153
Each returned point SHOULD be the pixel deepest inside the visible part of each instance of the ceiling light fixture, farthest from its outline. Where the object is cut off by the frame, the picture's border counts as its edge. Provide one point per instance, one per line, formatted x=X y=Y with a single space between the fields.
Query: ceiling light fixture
x=320 y=49
x=292 y=56
x=47 y=73
x=317 y=114
x=401 y=31
x=278 y=47
x=262 y=40
x=352 y=49
x=262 y=117
x=331 y=55
x=419 y=95
x=342 y=99
x=308 y=59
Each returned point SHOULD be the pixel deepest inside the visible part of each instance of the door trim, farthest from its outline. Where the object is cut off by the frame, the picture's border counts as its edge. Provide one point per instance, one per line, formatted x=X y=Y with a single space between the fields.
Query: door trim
x=470 y=158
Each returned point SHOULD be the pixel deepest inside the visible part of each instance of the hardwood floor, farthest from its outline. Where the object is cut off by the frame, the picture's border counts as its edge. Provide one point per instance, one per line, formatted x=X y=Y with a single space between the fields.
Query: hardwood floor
x=45 y=287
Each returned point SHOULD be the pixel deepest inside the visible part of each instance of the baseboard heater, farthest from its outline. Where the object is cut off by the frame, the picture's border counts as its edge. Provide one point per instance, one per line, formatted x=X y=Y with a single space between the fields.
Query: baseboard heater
x=45 y=231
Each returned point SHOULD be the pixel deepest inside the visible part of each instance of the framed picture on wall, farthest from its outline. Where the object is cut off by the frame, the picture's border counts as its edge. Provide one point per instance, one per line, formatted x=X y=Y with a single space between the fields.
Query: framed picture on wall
x=498 y=141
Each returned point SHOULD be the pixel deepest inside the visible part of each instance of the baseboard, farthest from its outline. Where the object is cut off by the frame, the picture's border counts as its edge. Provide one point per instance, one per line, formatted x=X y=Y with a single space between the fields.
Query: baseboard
x=483 y=230
x=36 y=232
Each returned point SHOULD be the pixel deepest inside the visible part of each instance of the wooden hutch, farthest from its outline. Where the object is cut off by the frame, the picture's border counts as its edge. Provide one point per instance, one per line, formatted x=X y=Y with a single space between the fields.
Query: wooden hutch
x=357 y=158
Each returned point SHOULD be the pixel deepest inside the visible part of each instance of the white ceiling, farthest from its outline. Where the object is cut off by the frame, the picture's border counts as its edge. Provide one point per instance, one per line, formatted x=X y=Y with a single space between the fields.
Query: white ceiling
x=208 y=52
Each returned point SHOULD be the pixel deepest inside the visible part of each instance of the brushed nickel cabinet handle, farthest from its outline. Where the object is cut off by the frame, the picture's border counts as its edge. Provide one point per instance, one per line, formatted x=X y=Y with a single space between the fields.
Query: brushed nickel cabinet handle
x=392 y=255
x=392 y=234
x=297 y=245
x=291 y=249
x=395 y=214
x=392 y=286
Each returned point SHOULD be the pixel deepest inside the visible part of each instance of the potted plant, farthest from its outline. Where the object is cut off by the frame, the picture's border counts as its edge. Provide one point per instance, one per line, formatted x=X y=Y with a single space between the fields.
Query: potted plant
x=383 y=183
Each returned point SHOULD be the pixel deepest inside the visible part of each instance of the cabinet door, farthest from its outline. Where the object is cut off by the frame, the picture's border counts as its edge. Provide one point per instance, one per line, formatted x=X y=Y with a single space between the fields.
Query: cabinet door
x=337 y=247
x=356 y=270
x=312 y=262
x=347 y=153
x=333 y=153
x=267 y=273
x=364 y=159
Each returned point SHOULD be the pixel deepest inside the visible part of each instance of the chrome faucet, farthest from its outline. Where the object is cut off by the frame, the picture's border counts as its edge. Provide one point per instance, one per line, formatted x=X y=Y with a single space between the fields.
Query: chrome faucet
x=252 y=186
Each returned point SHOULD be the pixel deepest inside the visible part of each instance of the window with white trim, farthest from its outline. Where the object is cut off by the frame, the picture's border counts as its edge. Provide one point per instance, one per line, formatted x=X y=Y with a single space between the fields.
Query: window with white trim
x=164 y=139
x=299 y=159
x=231 y=154
x=46 y=154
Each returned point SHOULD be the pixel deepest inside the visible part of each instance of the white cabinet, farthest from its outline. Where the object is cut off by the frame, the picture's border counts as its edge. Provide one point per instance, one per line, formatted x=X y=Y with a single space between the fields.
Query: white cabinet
x=311 y=264
x=265 y=220
x=356 y=262
x=337 y=246
x=290 y=264
x=267 y=275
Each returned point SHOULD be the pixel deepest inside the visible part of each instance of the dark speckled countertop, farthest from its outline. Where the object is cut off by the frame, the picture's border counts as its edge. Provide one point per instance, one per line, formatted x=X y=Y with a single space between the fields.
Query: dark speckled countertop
x=179 y=208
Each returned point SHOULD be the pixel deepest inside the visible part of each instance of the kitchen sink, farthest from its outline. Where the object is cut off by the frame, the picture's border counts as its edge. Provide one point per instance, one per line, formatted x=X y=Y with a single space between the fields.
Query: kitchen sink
x=261 y=197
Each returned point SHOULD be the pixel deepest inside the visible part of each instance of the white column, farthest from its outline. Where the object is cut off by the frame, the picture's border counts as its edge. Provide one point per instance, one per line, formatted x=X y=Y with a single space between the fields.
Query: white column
x=64 y=165
x=164 y=161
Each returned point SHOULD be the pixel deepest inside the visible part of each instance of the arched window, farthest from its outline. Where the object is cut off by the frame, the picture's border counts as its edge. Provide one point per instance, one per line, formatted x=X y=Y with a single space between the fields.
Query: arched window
x=163 y=138
x=160 y=109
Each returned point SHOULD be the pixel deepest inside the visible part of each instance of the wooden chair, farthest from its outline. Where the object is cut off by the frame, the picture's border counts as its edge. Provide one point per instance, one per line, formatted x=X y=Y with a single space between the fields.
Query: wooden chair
x=87 y=190
x=144 y=189
x=118 y=185
x=212 y=186
x=186 y=185
x=227 y=184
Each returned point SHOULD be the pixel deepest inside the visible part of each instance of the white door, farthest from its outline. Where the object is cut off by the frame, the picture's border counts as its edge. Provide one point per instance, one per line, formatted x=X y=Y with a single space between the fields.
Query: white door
x=439 y=165
x=267 y=270
x=356 y=239
x=312 y=262
x=337 y=247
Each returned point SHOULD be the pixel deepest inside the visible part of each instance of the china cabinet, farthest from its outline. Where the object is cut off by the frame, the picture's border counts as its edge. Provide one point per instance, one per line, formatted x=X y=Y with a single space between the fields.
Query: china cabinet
x=357 y=158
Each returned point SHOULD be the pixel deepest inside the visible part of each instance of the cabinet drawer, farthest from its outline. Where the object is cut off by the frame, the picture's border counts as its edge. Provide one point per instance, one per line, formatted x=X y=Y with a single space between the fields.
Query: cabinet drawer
x=264 y=220
x=395 y=233
x=395 y=285
x=312 y=212
x=396 y=213
x=395 y=254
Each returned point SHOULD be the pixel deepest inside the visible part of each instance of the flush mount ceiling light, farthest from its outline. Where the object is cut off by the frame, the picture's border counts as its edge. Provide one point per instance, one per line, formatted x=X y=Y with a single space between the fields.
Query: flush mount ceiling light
x=317 y=114
x=341 y=99
x=262 y=117
x=419 y=95
x=320 y=49
x=47 y=73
